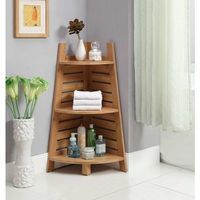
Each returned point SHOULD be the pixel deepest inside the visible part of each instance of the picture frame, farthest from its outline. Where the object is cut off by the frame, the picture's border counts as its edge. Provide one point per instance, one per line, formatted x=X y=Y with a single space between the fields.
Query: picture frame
x=31 y=18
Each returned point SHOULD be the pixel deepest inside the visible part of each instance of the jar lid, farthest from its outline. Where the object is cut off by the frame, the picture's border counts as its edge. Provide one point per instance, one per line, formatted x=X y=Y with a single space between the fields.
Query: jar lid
x=88 y=149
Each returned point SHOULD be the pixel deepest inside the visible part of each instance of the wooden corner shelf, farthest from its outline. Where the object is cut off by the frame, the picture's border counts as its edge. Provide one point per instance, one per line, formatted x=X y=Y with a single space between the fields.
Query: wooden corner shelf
x=86 y=76
x=69 y=110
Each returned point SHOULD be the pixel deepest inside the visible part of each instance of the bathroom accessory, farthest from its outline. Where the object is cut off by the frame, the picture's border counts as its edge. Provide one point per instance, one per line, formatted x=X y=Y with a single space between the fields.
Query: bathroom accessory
x=88 y=153
x=81 y=137
x=23 y=134
x=85 y=100
x=86 y=75
x=73 y=148
x=95 y=53
x=87 y=95
x=100 y=148
x=91 y=136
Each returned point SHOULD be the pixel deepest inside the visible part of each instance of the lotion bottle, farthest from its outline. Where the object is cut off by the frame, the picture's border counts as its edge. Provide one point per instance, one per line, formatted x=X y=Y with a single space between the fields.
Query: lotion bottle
x=81 y=137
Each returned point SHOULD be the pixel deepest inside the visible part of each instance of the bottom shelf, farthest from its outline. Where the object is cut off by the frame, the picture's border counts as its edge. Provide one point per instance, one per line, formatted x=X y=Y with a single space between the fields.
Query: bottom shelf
x=108 y=158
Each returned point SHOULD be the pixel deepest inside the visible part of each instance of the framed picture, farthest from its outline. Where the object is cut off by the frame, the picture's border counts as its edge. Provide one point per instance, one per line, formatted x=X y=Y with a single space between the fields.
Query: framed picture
x=31 y=18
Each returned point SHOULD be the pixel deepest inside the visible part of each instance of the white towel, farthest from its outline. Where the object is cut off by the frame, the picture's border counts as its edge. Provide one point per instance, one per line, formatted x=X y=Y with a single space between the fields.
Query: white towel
x=87 y=108
x=80 y=102
x=84 y=95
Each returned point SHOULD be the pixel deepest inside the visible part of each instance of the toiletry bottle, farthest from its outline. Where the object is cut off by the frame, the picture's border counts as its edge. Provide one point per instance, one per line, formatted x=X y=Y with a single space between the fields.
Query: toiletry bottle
x=91 y=136
x=81 y=137
x=100 y=146
x=73 y=148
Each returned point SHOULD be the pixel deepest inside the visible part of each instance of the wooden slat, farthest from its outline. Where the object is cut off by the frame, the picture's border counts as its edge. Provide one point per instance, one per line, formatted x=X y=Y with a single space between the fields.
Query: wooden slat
x=63 y=117
x=62 y=143
x=65 y=134
x=112 y=144
x=67 y=96
x=72 y=70
x=73 y=77
x=62 y=152
x=109 y=117
x=101 y=86
x=101 y=70
x=103 y=123
x=73 y=86
x=100 y=77
x=69 y=124
x=112 y=151
x=107 y=96
x=107 y=104
x=106 y=133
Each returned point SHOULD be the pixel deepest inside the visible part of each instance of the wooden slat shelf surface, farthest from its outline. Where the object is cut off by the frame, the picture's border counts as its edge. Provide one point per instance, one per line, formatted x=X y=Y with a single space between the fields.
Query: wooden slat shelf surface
x=108 y=158
x=69 y=110
x=85 y=62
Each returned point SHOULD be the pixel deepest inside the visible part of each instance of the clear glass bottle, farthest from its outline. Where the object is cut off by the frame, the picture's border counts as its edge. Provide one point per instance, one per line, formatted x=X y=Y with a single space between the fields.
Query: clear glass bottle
x=91 y=136
x=100 y=146
x=95 y=53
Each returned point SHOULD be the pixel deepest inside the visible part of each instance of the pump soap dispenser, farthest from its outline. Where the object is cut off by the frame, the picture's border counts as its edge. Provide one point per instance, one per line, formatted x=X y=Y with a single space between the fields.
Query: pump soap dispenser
x=73 y=148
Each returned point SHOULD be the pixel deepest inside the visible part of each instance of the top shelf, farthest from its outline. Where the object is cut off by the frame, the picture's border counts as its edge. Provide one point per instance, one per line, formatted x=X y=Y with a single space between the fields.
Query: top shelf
x=67 y=60
x=85 y=62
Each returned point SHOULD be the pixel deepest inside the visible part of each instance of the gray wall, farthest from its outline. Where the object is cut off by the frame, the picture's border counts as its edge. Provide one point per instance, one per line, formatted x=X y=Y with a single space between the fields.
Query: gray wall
x=112 y=20
x=106 y=20
x=37 y=57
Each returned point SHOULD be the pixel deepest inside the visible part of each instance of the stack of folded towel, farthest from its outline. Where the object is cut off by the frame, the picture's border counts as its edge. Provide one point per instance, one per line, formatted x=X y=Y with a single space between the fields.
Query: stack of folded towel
x=84 y=100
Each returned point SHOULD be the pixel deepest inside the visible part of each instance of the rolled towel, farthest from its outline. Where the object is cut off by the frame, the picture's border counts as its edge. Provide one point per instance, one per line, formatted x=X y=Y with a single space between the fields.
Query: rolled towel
x=85 y=108
x=80 y=102
x=84 y=95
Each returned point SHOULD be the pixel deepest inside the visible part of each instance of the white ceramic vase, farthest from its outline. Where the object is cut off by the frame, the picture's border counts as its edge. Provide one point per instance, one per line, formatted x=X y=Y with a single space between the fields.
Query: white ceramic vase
x=80 y=51
x=23 y=134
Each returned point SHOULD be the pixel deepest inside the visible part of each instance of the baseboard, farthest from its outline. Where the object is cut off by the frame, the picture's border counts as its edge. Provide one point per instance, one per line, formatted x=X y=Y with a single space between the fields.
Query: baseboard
x=136 y=160
x=144 y=159
x=141 y=160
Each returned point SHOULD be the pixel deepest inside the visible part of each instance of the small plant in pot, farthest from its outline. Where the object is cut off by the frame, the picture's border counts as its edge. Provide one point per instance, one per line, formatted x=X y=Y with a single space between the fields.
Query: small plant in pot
x=75 y=27
x=23 y=124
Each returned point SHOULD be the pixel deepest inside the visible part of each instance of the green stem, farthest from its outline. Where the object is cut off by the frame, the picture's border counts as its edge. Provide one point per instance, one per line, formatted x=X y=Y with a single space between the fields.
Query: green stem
x=12 y=103
x=79 y=36
x=33 y=108
x=26 y=110
x=17 y=107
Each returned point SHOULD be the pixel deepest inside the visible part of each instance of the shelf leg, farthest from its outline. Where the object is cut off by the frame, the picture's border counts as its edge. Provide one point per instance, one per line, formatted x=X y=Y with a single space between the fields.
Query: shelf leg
x=50 y=166
x=86 y=169
x=123 y=166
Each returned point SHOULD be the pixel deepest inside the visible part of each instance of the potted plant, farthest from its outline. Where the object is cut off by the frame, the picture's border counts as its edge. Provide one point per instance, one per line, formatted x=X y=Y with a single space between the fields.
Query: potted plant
x=23 y=124
x=75 y=27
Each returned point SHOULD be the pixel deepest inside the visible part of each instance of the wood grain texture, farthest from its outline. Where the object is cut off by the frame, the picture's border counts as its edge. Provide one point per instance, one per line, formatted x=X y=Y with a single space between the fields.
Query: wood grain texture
x=87 y=76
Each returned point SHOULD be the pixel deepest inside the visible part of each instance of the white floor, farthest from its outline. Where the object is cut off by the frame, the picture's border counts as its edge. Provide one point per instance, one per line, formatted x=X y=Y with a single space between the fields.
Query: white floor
x=159 y=183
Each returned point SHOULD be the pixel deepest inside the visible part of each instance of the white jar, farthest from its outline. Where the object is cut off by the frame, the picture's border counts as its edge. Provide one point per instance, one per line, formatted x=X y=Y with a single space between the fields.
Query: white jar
x=95 y=53
x=88 y=153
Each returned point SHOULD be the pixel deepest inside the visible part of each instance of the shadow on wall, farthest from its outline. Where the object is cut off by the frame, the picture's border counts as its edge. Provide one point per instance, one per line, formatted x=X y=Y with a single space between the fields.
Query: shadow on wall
x=10 y=145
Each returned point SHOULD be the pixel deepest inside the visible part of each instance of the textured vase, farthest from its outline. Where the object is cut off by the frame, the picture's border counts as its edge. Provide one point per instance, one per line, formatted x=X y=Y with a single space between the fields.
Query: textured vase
x=23 y=134
x=80 y=51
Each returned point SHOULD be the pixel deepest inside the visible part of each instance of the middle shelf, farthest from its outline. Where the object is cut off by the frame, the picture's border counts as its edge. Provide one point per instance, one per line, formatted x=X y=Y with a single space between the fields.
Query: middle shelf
x=69 y=110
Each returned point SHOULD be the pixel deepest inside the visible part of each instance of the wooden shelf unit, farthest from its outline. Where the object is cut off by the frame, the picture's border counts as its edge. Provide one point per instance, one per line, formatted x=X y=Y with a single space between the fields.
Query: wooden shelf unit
x=87 y=76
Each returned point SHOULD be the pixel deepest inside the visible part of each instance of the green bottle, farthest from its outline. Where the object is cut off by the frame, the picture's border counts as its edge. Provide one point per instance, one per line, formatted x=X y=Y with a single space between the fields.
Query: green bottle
x=91 y=136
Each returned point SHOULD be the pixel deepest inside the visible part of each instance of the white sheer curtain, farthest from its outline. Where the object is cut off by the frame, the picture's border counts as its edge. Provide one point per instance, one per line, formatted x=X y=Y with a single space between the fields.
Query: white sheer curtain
x=161 y=60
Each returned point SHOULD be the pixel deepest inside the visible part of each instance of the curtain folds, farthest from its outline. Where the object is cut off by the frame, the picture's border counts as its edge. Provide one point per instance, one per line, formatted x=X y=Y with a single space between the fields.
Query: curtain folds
x=161 y=60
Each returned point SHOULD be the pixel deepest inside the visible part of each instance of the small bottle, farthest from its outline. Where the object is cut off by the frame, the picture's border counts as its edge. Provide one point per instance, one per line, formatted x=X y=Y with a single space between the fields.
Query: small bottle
x=100 y=146
x=95 y=53
x=81 y=137
x=91 y=136
x=73 y=148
